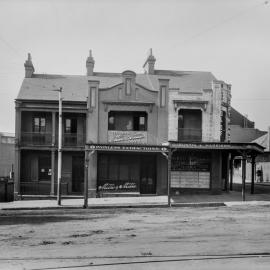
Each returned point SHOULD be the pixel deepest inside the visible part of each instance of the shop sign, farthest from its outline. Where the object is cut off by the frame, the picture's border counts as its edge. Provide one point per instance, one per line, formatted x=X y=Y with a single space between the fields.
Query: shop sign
x=226 y=146
x=137 y=148
x=127 y=136
x=116 y=186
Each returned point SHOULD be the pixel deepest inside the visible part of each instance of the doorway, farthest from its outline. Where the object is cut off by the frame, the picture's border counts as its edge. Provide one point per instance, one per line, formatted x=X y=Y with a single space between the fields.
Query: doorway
x=77 y=174
x=148 y=174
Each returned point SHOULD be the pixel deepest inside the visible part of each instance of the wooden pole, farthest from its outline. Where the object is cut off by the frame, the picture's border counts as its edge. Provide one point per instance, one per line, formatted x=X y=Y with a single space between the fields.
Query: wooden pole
x=228 y=155
x=169 y=177
x=85 y=205
x=253 y=164
x=59 y=171
x=231 y=172
x=244 y=159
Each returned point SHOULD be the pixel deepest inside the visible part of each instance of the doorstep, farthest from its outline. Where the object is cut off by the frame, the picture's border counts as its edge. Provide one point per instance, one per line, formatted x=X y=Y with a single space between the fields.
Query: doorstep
x=119 y=194
x=47 y=197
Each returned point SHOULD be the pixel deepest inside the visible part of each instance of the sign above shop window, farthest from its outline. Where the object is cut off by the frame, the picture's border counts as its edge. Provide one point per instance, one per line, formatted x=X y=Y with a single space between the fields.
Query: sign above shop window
x=138 y=137
x=131 y=148
x=216 y=145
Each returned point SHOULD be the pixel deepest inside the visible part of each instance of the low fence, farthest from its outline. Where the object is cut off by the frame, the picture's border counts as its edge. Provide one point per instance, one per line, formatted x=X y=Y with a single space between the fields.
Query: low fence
x=6 y=189
x=41 y=188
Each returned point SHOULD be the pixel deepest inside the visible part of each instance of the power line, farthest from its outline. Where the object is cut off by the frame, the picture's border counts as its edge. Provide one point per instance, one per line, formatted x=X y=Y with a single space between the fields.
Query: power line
x=224 y=22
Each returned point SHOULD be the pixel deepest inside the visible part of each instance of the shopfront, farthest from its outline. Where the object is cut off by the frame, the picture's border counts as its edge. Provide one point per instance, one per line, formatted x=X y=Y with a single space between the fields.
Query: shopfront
x=206 y=166
x=128 y=172
x=125 y=169
x=191 y=169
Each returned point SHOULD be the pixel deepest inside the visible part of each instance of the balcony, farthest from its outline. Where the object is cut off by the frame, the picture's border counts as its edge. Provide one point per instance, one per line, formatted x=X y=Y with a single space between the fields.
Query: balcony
x=189 y=135
x=73 y=139
x=36 y=138
x=45 y=139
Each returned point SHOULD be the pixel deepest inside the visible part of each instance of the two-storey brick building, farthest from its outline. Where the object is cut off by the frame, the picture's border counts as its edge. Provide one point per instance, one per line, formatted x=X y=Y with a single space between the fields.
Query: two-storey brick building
x=118 y=129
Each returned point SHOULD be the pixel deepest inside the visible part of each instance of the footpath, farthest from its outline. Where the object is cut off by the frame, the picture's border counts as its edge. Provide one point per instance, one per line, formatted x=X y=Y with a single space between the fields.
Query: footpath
x=202 y=200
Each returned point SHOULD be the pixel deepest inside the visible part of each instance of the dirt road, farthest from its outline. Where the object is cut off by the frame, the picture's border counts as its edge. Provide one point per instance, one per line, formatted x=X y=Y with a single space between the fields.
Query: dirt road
x=153 y=238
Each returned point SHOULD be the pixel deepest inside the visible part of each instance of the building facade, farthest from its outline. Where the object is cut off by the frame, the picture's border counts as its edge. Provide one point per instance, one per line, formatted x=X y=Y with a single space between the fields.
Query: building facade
x=7 y=150
x=123 y=133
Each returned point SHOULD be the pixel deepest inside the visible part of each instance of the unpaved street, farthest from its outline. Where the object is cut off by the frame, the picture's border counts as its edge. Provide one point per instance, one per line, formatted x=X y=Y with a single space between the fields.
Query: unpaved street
x=154 y=238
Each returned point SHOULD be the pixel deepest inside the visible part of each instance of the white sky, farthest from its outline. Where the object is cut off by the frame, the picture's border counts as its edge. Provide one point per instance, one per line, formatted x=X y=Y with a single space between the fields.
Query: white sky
x=229 y=38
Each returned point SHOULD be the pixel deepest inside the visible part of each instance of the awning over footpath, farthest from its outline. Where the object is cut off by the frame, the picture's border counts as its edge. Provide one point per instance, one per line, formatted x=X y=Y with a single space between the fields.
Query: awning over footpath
x=234 y=148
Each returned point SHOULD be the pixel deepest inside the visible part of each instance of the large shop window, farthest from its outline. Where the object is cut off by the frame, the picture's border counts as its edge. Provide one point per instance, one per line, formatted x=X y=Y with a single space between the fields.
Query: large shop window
x=191 y=170
x=118 y=173
x=127 y=121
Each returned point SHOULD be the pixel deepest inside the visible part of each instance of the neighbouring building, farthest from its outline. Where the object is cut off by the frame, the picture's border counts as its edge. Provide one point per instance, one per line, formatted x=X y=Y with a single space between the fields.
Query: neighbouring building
x=7 y=151
x=263 y=160
x=243 y=130
x=125 y=132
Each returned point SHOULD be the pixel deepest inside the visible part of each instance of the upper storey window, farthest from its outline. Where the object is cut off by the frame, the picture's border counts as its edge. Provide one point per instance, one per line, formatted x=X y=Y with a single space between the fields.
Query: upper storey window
x=39 y=124
x=127 y=121
x=70 y=125
x=189 y=125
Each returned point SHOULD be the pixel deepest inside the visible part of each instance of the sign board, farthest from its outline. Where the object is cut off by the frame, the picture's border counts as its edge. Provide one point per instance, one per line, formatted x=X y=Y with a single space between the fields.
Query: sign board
x=118 y=186
x=219 y=146
x=132 y=148
x=138 y=137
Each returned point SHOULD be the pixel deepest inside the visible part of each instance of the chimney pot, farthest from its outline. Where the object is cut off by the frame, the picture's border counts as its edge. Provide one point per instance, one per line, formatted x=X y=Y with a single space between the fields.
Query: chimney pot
x=149 y=64
x=90 y=63
x=29 y=67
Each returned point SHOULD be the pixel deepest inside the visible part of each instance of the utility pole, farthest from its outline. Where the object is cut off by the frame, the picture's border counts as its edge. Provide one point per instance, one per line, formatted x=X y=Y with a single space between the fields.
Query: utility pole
x=59 y=169
x=59 y=173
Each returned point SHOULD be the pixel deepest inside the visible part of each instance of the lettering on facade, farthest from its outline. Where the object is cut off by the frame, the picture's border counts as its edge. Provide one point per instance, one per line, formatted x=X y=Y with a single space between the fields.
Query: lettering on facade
x=128 y=186
x=127 y=137
x=203 y=146
x=127 y=148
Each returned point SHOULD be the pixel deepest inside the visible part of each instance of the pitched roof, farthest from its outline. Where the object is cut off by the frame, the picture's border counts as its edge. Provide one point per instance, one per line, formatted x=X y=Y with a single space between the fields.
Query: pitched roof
x=245 y=135
x=75 y=88
x=263 y=141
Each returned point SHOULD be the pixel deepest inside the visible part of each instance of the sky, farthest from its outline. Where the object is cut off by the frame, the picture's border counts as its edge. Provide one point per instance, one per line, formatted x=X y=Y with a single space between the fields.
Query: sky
x=229 y=38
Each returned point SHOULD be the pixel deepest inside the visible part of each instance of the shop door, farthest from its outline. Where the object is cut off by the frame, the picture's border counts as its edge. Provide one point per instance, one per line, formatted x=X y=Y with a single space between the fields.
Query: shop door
x=148 y=175
x=77 y=173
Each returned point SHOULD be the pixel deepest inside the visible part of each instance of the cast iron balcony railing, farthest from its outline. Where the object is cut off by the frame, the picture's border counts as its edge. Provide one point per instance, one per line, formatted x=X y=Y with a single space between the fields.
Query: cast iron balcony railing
x=36 y=138
x=189 y=135
x=73 y=139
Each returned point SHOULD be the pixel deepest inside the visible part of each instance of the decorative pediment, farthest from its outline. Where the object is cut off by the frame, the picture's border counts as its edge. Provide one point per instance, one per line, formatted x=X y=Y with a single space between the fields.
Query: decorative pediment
x=194 y=103
x=127 y=103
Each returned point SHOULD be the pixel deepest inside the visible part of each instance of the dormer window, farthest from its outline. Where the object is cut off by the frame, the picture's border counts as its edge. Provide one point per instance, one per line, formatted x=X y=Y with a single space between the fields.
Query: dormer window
x=128 y=86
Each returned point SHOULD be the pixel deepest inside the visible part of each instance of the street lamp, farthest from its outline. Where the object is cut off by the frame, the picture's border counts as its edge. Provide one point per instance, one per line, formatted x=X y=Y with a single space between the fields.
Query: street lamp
x=59 y=169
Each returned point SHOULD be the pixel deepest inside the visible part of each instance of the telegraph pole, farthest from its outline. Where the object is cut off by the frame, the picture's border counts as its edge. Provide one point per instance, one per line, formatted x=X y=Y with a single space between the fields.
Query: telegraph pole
x=59 y=169
x=59 y=173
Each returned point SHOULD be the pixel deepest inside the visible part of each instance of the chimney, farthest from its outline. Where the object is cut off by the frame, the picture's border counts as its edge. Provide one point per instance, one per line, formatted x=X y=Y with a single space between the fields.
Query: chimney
x=90 y=63
x=29 y=68
x=149 y=64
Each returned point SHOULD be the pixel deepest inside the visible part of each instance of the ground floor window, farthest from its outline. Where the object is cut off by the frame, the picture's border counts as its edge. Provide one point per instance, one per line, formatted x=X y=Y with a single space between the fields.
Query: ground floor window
x=190 y=170
x=126 y=173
